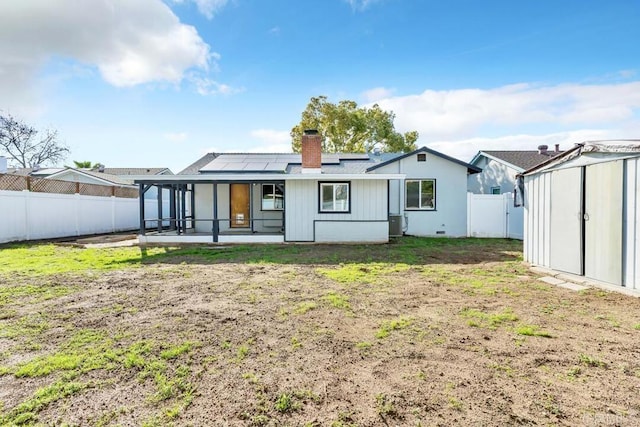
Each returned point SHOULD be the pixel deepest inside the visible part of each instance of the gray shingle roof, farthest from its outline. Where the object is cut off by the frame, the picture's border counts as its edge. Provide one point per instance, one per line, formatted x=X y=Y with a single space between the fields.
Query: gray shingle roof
x=135 y=171
x=105 y=176
x=523 y=159
x=195 y=167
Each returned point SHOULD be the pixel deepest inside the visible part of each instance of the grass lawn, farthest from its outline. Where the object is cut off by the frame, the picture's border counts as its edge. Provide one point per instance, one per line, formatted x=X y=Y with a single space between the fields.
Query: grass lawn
x=418 y=332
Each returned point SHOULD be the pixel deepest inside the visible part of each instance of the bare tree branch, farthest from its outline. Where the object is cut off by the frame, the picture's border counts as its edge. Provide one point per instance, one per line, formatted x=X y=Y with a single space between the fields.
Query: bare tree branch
x=21 y=143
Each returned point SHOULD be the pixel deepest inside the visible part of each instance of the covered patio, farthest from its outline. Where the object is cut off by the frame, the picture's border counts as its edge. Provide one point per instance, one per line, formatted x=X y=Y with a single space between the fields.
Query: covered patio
x=203 y=209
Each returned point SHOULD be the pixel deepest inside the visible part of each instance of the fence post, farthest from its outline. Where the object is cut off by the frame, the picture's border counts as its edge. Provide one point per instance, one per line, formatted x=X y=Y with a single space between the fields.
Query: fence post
x=28 y=183
x=469 y=201
x=113 y=210
x=27 y=221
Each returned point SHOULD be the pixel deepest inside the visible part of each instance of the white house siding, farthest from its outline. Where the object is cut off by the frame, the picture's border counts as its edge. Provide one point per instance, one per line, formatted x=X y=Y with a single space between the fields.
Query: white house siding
x=367 y=221
x=552 y=237
x=494 y=174
x=450 y=216
x=204 y=207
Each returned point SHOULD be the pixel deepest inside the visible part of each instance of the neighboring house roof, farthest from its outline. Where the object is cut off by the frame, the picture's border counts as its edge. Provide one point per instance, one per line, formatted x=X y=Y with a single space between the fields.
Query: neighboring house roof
x=518 y=160
x=137 y=171
x=42 y=172
x=470 y=168
x=98 y=176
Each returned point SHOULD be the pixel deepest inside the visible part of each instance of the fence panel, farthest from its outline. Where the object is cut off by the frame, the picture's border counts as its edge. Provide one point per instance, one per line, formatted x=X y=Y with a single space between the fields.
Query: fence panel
x=12 y=182
x=31 y=215
x=493 y=215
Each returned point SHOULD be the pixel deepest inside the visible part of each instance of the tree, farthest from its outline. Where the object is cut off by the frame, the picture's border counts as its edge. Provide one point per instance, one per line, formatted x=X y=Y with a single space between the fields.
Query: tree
x=22 y=143
x=86 y=164
x=347 y=128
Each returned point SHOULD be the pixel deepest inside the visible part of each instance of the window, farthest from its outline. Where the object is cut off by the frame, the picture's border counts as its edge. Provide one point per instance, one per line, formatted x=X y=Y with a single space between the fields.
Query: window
x=422 y=157
x=334 y=197
x=420 y=194
x=495 y=190
x=272 y=197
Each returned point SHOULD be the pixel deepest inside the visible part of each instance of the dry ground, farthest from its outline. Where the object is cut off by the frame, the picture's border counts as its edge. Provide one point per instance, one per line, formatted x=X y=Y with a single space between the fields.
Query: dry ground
x=419 y=332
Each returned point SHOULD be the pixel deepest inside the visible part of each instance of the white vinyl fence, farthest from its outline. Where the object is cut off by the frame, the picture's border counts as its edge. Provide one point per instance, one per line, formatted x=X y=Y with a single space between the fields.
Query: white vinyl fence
x=493 y=215
x=29 y=215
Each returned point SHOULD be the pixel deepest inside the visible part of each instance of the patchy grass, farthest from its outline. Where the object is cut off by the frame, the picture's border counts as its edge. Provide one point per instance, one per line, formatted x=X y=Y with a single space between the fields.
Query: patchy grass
x=531 y=331
x=369 y=273
x=305 y=335
x=337 y=300
x=591 y=361
x=392 y=325
x=479 y=318
x=48 y=259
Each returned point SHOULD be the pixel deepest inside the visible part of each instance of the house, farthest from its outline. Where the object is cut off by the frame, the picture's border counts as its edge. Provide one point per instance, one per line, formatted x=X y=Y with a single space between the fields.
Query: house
x=582 y=212
x=312 y=197
x=499 y=168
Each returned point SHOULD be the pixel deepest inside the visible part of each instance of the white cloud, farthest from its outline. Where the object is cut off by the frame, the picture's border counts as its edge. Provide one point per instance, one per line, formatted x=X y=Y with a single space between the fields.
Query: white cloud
x=206 y=86
x=272 y=136
x=176 y=137
x=377 y=93
x=466 y=113
x=465 y=149
x=208 y=8
x=129 y=42
x=275 y=30
x=360 y=5
x=271 y=141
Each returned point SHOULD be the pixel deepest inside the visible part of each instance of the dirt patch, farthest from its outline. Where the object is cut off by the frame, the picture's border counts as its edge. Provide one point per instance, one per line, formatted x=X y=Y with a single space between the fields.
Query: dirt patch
x=455 y=340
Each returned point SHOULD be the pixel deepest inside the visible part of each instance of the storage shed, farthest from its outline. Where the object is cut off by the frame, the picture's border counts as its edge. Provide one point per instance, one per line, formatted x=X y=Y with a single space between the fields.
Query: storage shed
x=582 y=212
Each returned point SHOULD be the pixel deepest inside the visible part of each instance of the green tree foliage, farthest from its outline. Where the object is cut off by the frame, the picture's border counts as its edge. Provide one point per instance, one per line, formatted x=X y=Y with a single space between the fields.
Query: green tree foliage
x=86 y=165
x=347 y=128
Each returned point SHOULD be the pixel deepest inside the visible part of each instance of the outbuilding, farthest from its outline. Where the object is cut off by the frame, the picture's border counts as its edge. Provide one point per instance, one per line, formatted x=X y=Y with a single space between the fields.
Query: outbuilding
x=582 y=212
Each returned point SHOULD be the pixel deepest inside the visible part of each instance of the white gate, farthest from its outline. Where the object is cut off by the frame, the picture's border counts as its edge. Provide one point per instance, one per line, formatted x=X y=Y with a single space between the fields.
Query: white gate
x=493 y=215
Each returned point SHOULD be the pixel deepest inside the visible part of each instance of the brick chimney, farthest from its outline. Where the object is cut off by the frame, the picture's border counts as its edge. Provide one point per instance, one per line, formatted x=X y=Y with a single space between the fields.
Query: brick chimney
x=311 y=151
x=557 y=148
x=542 y=149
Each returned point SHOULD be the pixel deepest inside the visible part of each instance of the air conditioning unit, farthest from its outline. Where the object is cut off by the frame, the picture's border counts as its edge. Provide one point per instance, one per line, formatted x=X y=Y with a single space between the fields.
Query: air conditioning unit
x=395 y=225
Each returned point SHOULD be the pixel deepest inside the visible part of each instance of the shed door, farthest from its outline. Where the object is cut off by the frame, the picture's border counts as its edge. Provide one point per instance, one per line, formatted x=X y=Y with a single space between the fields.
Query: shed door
x=565 y=245
x=603 y=222
x=240 y=205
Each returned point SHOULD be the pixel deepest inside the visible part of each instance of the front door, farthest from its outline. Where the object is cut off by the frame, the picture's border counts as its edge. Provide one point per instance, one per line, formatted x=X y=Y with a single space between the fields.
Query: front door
x=240 y=205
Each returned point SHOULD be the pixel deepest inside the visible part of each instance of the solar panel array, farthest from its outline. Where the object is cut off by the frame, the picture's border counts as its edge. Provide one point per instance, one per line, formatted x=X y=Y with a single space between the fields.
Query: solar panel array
x=269 y=162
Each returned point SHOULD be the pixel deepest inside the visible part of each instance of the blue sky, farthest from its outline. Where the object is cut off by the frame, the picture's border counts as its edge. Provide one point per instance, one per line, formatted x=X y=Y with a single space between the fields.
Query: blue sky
x=153 y=83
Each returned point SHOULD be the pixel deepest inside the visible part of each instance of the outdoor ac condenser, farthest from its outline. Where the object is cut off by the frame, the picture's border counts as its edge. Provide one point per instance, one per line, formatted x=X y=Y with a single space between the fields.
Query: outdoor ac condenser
x=395 y=225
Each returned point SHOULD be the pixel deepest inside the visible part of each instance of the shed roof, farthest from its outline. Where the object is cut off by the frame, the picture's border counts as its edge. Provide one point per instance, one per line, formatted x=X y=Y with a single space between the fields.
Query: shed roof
x=598 y=151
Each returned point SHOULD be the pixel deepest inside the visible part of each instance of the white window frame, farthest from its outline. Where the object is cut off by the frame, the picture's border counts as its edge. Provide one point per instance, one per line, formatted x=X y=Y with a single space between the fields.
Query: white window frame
x=338 y=206
x=420 y=207
x=274 y=198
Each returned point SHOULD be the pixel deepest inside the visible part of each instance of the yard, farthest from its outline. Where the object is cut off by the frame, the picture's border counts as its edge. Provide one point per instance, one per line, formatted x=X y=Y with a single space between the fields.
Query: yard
x=418 y=332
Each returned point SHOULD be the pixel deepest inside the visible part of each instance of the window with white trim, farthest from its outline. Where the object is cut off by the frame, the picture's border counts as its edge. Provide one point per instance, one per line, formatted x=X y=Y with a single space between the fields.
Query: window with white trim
x=334 y=197
x=420 y=194
x=272 y=197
